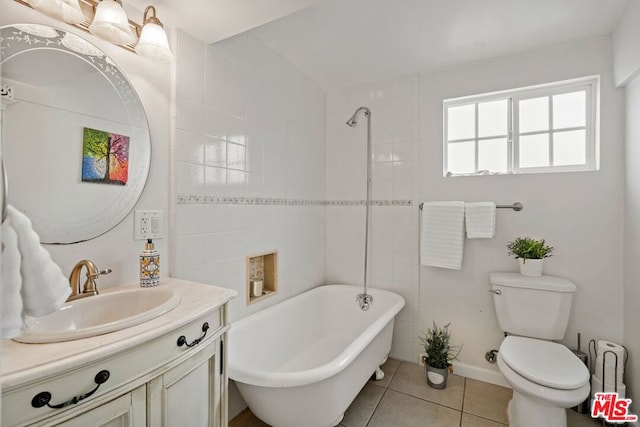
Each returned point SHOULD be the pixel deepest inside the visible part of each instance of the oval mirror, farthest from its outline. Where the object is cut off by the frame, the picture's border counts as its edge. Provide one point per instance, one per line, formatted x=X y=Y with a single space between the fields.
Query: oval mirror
x=75 y=137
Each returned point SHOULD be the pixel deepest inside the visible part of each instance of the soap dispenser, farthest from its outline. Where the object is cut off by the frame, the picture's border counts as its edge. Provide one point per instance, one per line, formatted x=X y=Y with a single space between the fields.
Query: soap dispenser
x=149 y=265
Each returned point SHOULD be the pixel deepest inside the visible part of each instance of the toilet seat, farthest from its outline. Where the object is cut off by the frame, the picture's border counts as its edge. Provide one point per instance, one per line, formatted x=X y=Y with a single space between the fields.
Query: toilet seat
x=534 y=405
x=545 y=363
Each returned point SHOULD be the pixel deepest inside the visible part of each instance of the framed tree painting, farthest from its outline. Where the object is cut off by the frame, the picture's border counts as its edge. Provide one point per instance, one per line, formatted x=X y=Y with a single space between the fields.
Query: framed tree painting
x=105 y=157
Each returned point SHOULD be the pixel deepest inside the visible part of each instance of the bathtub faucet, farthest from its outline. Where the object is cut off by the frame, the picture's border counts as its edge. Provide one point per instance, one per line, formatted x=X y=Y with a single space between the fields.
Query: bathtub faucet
x=364 y=301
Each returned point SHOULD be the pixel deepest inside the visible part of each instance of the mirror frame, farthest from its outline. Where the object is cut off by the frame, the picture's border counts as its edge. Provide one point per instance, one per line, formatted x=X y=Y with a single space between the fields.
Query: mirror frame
x=16 y=40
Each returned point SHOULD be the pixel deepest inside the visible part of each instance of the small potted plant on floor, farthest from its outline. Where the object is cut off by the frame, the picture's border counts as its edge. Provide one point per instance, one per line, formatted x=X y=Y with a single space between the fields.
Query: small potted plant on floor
x=530 y=254
x=440 y=353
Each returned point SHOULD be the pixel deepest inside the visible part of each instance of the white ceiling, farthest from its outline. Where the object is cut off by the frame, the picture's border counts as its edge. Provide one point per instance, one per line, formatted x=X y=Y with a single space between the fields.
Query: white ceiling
x=341 y=43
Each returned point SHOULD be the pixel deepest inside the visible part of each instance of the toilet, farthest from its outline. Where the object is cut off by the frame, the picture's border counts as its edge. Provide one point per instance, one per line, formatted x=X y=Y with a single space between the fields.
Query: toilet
x=546 y=377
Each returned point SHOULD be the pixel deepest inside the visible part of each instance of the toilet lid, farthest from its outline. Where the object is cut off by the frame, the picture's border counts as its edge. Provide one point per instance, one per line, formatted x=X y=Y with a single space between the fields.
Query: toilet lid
x=544 y=362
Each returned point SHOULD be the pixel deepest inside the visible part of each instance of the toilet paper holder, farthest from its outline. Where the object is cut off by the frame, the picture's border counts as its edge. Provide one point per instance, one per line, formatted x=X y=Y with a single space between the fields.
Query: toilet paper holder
x=593 y=357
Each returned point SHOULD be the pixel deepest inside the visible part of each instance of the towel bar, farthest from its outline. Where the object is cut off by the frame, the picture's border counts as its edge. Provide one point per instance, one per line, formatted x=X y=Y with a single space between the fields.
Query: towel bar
x=517 y=206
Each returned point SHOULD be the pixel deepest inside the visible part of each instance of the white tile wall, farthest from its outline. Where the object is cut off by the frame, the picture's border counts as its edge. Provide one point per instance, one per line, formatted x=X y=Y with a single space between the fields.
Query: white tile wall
x=259 y=131
x=407 y=129
x=393 y=255
x=253 y=126
x=248 y=124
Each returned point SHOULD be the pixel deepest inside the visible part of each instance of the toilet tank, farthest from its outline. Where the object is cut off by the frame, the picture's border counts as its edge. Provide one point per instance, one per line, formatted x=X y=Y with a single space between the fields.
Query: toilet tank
x=536 y=307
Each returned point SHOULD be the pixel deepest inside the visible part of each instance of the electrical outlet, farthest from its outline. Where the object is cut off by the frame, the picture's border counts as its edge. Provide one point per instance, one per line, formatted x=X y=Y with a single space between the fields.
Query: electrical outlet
x=147 y=225
x=422 y=359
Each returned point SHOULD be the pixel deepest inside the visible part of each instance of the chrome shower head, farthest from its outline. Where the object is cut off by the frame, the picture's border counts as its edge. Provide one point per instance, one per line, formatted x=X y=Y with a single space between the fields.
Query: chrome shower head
x=352 y=121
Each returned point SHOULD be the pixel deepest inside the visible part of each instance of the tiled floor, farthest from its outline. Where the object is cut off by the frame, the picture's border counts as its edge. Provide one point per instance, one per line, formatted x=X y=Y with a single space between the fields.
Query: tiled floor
x=404 y=399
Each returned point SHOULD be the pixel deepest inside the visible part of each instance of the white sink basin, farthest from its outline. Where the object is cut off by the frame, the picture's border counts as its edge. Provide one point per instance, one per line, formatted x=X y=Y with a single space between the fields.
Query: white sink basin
x=99 y=314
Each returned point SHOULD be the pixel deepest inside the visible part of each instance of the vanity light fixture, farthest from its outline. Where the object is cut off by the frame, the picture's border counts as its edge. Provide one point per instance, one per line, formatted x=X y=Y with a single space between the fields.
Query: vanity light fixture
x=153 y=43
x=111 y=23
x=67 y=10
x=108 y=20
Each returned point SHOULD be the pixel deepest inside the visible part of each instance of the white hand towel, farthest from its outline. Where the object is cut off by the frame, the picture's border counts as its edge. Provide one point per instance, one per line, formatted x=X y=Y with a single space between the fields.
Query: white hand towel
x=442 y=237
x=480 y=219
x=11 y=283
x=42 y=286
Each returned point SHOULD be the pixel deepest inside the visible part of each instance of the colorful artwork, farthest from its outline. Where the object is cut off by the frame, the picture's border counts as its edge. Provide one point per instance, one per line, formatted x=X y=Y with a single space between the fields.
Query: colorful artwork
x=105 y=157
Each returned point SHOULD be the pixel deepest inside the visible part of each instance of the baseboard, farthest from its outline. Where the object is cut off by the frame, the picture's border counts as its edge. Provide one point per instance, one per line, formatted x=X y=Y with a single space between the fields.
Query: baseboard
x=481 y=374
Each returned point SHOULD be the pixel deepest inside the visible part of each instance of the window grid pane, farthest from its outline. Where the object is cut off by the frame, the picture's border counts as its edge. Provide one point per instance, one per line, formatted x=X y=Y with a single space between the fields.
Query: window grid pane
x=493 y=118
x=461 y=157
x=569 y=148
x=569 y=110
x=552 y=128
x=490 y=125
x=534 y=114
x=492 y=155
x=461 y=123
x=567 y=113
x=534 y=151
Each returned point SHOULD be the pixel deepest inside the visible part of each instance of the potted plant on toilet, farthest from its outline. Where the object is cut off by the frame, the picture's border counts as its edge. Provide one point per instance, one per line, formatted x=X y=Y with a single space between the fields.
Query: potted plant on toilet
x=439 y=354
x=530 y=254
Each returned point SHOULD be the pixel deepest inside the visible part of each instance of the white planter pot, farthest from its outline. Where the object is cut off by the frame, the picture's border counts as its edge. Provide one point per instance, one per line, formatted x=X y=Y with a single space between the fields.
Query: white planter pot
x=531 y=267
x=437 y=377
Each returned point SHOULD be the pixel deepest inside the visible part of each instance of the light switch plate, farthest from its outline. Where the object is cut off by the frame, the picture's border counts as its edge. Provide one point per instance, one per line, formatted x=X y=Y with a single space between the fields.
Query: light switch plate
x=147 y=225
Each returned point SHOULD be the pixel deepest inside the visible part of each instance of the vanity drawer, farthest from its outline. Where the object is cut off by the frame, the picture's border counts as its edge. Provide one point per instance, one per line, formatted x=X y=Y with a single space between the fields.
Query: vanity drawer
x=116 y=374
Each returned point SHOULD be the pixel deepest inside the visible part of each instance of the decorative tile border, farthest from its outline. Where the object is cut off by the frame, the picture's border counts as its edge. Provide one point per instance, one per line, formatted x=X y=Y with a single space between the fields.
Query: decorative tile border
x=186 y=199
x=196 y=199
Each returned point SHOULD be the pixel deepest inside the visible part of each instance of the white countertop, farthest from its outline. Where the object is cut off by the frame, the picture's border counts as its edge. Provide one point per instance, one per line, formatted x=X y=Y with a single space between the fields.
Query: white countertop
x=22 y=363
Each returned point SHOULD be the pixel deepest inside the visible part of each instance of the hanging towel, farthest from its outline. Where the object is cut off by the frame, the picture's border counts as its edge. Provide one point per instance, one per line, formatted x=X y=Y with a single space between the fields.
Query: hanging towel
x=442 y=237
x=42 y=286
x=11 y=283
x=480 y=219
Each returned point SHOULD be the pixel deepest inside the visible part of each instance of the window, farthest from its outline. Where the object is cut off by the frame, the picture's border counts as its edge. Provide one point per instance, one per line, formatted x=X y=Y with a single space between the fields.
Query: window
x=548 y=128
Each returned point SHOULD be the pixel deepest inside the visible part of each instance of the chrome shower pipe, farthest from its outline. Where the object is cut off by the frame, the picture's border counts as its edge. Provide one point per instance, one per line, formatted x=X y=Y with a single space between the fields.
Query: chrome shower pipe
x=365 y=300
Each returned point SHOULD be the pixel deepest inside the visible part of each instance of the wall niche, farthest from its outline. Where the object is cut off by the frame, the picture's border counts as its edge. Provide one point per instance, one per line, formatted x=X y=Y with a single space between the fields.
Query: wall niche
x=261 y=276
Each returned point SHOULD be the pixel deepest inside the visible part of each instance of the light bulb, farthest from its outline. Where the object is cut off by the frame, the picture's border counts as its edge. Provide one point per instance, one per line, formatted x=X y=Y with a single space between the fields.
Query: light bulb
x=111 y=23
x=153 y=43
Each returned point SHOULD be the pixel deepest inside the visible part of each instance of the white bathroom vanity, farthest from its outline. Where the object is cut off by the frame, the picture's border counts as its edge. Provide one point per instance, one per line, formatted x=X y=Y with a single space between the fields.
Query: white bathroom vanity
x=168 y=371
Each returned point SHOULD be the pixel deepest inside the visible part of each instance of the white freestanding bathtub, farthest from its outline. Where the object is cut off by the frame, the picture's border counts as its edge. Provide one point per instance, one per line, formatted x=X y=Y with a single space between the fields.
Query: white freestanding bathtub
x=302 y=362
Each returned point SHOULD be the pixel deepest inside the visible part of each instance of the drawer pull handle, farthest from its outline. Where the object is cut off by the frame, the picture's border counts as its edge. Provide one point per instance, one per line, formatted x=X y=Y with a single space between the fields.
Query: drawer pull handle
x=182 y=340
x=43 y=398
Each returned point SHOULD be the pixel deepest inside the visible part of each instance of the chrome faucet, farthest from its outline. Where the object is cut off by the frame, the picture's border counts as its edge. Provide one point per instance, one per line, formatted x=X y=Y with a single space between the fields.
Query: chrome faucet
x=90 y=288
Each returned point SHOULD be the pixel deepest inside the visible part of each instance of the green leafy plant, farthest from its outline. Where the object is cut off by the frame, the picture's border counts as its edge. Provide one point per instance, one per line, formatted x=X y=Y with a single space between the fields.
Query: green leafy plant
x=528 y=248
x=436 y=344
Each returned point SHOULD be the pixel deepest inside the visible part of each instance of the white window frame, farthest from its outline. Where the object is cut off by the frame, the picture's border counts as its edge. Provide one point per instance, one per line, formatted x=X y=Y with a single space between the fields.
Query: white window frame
x=590 y=84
